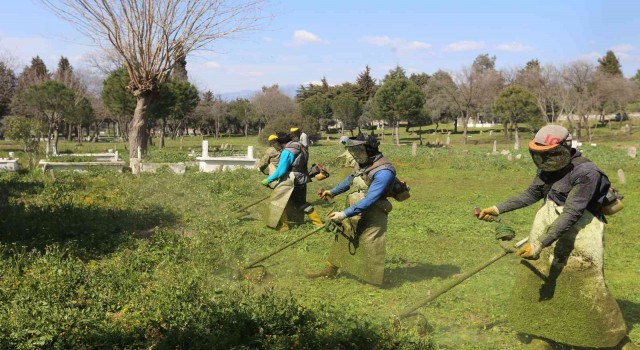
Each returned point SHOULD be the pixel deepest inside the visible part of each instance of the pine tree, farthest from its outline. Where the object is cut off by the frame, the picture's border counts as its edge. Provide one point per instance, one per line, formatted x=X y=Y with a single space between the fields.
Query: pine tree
x=64 y=74
x=396 y=73
x=484 y=63
x=7 y=88
x=34 y=74
x=366 y=85
x=609 y=64
x=179 y=71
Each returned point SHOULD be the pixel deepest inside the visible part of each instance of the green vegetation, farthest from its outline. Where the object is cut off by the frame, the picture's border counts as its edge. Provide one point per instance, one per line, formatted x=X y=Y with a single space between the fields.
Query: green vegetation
x=112 y=260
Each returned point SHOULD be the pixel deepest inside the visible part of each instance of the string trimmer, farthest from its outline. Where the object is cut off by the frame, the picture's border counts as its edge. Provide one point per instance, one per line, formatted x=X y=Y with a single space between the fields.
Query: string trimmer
x=244 y=271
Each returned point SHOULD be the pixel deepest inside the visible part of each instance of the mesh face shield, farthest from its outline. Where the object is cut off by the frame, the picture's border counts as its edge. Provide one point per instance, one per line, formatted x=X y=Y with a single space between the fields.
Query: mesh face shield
x=552 y=159
x=275 y=145
x=359 y=153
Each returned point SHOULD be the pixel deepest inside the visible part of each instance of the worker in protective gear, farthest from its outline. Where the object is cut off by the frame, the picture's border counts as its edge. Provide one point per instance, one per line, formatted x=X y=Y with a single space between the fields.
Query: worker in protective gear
x=289 y=197
x=560 y=295
x=349 y=162
x=300 y=136
x=360 y=249
x=269 y=160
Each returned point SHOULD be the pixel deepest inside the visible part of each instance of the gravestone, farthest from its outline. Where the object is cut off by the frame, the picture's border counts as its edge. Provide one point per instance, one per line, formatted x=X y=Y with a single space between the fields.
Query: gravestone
x=437 y=141
x=449 y=138
x=433 y=151
x=509 y=157
x=516 y=146
x=518 y=156
x=621 y=179
x=205 y=148
x=490 y=132
x=414 y=149
x=495 y=146
x=631 y=152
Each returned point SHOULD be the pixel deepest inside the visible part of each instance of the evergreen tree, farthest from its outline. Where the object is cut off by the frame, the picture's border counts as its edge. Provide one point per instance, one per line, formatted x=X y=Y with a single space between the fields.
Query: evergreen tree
x=118 y=100
x=396 y=73
x=179 y=71
x=421 y=79
x=398 y=99
x=33 y=74
x=365 y=85
x=484 y=63
x=609 y=64
x=64 y=74
x=7 y=88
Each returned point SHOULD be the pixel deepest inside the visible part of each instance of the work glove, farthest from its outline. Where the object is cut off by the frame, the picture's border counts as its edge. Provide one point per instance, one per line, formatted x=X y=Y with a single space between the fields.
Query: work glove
x=326 y=195
x=487 y=214
x=337 y=216
x=530 y=251
x=265 y=182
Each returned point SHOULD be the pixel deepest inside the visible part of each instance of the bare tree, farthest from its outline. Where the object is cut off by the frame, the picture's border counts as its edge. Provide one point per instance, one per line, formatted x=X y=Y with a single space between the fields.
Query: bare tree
x=149 y=34
x=474 y=93
x=271 y=103
x=578 y=79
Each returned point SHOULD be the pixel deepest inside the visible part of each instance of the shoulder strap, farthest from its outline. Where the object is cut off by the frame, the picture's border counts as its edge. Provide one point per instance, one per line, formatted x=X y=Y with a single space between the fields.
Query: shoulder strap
x=377 y=163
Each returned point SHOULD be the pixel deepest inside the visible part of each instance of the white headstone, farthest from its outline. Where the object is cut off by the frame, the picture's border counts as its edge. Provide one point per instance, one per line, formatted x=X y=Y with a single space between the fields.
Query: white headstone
x=11 y=155
x=621 y=178
x=414 y=149
x=250 y=152
x=449 y=138
x=495 y=146
x=139 y=153
x=631 y=152
x=490 y=132
x=205 y=148
x=509 y=157
x=518 y=156
x=516 y=146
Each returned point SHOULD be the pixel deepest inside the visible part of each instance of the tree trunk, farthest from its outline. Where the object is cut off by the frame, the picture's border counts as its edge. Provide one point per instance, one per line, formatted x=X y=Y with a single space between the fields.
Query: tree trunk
x=455 y=125
x=48 y=147
x=246 y=129
x=465 y=127
x=164 y=127
x=55 y=140
x=420 y=134
x=79 y=131
x=138 y=136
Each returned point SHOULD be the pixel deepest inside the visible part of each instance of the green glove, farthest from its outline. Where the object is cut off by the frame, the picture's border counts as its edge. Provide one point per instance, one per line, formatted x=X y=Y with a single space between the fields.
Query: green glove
x=265 y=182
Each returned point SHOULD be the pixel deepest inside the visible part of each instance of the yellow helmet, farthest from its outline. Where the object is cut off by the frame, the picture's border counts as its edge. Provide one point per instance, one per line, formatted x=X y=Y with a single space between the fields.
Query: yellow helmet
x=272 y=137
x=293 y=129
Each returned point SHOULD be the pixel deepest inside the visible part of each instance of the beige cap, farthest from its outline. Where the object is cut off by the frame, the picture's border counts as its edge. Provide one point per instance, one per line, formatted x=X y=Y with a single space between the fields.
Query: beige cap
x=549 y=137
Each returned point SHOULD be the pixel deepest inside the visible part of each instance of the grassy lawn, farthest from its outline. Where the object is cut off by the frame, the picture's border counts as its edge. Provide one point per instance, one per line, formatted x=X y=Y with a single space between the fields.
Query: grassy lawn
x=112 y=260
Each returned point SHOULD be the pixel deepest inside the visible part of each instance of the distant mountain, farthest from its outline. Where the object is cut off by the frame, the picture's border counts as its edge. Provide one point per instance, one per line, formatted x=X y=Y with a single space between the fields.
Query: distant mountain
x=289 y=90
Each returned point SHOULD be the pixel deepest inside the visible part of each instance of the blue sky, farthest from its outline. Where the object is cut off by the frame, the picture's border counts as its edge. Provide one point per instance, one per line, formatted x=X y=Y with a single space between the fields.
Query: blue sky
x=306 y=40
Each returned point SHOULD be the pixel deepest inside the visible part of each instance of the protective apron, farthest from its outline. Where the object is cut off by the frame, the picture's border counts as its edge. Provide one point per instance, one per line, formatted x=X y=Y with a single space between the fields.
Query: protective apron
x=295 y=179
x=360 y=251
x=563 y=296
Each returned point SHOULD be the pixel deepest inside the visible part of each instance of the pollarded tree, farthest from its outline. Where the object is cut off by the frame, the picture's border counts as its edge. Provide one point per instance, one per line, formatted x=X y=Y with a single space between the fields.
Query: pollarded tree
x=149 y=35
x=398 y=99
x=348 y=110
x=514 y=105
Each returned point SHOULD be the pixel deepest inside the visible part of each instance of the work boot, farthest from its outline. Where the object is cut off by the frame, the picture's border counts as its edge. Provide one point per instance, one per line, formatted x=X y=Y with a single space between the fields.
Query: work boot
x=328 y=271
x=315 y=218
x=283 y=225
x=626 y=344
x=540 y=344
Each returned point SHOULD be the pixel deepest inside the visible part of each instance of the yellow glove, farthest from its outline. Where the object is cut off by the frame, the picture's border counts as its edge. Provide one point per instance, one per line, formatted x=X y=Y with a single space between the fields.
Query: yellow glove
x=326 y=195
x=487 y=214
x=530 y=251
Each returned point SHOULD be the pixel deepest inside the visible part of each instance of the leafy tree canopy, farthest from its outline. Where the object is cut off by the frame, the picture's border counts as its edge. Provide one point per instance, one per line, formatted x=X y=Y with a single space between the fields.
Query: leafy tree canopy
x=609 y=64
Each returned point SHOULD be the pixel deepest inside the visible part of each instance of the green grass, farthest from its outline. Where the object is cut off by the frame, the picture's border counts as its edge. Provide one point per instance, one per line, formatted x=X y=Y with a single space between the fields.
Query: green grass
x=112 y=260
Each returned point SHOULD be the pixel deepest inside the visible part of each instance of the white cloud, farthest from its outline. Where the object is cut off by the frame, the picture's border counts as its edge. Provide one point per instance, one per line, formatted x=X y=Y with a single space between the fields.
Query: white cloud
x=212 y=65
x=622 y=48
x=395 y=43
x=314 y=82
x=465 y=45
x=302 y=37
x=267 y=39
x=514 y=47
x=591 y=56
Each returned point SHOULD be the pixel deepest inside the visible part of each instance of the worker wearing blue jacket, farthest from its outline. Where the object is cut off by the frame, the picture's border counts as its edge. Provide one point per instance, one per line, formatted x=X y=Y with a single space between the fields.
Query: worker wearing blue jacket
x=290 y=192
x=360 y=250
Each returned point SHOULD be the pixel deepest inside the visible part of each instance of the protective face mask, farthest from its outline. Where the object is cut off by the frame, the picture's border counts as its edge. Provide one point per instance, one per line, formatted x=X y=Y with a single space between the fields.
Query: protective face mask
x=276 y=145
x=551 y=160
x=359 y=153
